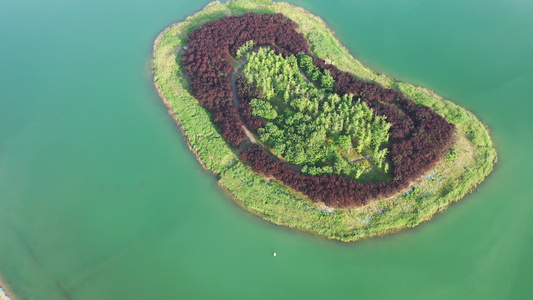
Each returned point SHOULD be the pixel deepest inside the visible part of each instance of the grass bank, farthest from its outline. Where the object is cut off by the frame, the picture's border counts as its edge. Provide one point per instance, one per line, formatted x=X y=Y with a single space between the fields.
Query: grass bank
x=448 y=182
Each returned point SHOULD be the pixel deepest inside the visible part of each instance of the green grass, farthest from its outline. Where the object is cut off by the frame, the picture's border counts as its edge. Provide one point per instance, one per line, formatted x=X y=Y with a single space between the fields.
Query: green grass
x=448 y=182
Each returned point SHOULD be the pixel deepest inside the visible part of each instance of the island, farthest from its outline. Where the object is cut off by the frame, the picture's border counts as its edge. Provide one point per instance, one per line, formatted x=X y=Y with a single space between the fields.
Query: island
x=302 y=134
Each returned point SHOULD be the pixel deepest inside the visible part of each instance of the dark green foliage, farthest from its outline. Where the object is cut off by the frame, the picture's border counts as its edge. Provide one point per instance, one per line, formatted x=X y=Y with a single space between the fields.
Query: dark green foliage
x=452 y=155
x=327 y=81
x=411 y=194
x=263 y=109
x=343 y=141
x=314 y=73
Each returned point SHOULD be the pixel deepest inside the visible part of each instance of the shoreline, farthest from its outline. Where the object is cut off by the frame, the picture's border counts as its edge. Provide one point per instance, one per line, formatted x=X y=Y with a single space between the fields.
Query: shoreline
x=7 y=293
x=167 y=103
x=477 y=148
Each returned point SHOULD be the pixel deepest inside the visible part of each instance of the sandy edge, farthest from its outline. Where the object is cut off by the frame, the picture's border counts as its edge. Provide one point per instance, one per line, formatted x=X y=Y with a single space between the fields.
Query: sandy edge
x=7 y=291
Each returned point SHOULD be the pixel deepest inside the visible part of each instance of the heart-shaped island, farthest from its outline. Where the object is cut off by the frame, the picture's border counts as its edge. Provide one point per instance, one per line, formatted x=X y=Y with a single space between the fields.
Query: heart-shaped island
x=302 y=134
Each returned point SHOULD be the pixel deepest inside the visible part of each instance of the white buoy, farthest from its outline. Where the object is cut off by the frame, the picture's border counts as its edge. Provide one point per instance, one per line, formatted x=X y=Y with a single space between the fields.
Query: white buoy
x=275 y=254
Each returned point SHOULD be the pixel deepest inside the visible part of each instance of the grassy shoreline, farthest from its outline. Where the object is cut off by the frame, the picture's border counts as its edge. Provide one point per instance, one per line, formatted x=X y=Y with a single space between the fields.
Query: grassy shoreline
x=448 y=182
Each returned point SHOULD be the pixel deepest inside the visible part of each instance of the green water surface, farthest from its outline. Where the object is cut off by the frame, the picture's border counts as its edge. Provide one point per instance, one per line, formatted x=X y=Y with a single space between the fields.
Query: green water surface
x=100 y=198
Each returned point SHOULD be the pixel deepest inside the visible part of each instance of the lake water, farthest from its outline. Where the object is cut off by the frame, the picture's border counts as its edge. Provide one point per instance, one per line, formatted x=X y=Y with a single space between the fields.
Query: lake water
x=100 y=199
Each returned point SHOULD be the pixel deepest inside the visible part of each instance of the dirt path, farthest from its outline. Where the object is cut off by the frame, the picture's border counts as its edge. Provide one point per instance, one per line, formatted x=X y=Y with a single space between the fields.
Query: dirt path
x=234 y=84
x=236 y=101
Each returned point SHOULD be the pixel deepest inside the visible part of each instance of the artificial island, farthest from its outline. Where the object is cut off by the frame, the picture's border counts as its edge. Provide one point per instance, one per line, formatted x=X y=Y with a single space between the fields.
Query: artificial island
x=302 y=134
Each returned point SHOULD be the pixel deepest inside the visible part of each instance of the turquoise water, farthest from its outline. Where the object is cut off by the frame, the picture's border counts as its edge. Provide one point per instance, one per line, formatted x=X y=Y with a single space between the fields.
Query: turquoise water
x=100 y=199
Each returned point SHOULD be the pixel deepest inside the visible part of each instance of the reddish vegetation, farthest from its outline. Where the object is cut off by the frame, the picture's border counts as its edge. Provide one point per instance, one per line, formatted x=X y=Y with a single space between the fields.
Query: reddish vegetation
x=418 y=135
x=210 y=48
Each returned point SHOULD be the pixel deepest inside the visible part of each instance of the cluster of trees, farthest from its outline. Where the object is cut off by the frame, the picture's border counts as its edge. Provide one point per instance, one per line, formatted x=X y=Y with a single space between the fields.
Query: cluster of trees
x=418 y=136
x=313 y=123
x=275 y=75
x=207 y=61
x=263 y=109
x=244 y=48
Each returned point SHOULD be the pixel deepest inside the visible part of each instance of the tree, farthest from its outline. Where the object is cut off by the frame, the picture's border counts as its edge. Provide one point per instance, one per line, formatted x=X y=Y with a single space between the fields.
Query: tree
x=244 y=48
x=344 y=141
x=263 y=109
x=326 y=81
